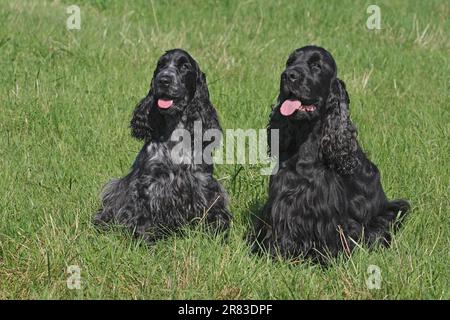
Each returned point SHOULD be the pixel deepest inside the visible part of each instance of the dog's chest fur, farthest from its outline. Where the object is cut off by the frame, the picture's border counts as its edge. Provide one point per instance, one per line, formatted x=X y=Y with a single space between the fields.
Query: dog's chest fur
x=307 y=195
x=166 y=169
x=175 y=152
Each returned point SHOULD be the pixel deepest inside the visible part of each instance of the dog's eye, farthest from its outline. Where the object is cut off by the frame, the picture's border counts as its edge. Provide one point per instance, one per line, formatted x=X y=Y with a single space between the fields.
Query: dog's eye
x=161 y=64
x=185 y=67
x=316 y=66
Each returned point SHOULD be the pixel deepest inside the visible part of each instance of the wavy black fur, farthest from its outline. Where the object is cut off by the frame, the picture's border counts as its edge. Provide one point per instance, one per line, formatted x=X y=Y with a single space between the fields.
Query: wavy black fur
x=327 y=194
x=159 y=195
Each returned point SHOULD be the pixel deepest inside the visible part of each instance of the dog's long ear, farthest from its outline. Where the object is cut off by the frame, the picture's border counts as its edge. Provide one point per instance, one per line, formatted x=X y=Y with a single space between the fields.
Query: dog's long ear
x=145 y=120
x=201 y=88
x=338 y=144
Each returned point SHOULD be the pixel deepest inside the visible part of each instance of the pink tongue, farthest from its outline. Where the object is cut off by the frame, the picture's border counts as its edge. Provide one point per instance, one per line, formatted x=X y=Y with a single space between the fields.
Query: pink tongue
x=164 y=104
x=289 y=107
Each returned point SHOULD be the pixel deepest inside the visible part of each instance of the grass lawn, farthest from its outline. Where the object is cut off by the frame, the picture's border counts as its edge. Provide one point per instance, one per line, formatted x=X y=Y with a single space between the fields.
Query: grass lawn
x=66 y=98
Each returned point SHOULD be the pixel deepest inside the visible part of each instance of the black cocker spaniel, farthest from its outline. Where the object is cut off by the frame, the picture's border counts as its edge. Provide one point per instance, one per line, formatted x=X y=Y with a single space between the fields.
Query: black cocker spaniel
x=326 y=195
x=167 y=188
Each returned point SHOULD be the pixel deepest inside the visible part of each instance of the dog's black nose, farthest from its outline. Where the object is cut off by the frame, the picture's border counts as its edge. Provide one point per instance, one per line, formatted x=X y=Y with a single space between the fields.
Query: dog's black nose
x=291 y=75
x=165 y=81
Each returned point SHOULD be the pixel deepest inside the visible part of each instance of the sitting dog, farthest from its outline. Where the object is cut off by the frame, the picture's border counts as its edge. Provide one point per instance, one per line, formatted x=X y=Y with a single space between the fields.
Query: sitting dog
x=161 y=194
x=326 y=195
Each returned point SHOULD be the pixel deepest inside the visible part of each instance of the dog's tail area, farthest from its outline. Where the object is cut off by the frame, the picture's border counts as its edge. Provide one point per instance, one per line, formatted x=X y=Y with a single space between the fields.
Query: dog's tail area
x=399 y=208
x=390 y=220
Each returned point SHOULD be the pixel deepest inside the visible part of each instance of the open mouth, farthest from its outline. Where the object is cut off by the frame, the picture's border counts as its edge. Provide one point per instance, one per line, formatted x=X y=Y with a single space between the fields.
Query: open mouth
x=290 y=106
x=164 y=103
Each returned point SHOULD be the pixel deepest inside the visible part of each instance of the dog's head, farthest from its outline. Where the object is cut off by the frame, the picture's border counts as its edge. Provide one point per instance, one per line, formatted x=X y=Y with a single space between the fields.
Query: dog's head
x=177 y=82
x=310 y=91
x=305 y=83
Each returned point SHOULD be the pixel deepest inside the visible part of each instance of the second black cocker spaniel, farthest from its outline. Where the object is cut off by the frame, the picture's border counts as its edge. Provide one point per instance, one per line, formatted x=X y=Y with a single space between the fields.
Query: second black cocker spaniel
x=326 y=195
